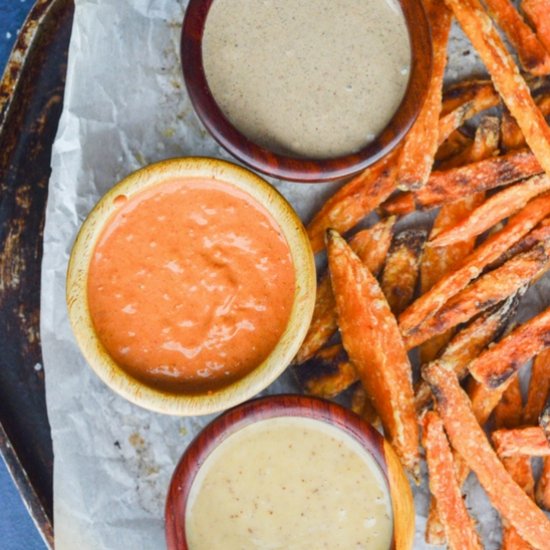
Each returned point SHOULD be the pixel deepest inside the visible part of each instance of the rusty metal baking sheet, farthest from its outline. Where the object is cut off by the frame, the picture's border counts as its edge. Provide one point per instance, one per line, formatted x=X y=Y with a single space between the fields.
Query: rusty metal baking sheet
x=31 y=93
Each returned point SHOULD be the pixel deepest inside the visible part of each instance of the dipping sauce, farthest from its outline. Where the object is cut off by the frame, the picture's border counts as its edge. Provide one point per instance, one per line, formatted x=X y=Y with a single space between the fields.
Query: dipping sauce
x=191 y=285
x=307 y=78
x=289 y=483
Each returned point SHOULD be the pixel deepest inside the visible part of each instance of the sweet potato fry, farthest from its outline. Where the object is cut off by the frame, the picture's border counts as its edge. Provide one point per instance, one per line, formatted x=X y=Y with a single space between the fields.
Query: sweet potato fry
x=328 y=373
x=456 y=183
x=468 y=343
x=511 y=137
x=490 y=289
x=494 y=209
x=371 y=245
x=537 y=12
x=458 y=525
x=362 y=406
x=452 y=146
x=539 y=388
x=532 y=54
x=354 y=200
x=401 y=269
x=371 y=338
x=509 y=411
x=529 y=441
x=494 y=366
x=420 y=145
x=435 y=531
x=542 y=493
x=484 y=400
x=463 y=102
x=470 y=441
x=452 y=283
x=513 y=89
x=484 y=145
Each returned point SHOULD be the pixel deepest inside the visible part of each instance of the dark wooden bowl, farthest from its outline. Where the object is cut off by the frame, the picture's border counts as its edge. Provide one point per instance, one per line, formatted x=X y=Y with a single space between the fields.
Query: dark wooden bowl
x=303 y=169
x=289 y=405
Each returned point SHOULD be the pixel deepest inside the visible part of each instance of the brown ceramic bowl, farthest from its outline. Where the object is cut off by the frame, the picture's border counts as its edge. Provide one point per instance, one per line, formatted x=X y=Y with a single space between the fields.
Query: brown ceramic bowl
x=295 y=406
x=303 y=169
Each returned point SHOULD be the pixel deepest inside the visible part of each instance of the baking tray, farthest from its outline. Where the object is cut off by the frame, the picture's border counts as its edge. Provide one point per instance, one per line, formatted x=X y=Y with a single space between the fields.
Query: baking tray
x=31 y=94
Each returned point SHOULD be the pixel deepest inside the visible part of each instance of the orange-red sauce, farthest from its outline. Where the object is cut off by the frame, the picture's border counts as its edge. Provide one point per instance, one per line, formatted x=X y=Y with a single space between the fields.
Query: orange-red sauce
x=190 y=285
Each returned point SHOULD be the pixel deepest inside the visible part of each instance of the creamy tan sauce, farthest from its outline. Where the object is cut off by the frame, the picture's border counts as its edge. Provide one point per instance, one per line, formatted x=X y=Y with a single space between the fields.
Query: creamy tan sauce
x=311 y=78
x=289 y=483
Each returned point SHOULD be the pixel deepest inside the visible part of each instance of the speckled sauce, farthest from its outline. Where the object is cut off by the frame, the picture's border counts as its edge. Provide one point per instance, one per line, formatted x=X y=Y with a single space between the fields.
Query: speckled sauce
x=289 y=483
x=314 y=78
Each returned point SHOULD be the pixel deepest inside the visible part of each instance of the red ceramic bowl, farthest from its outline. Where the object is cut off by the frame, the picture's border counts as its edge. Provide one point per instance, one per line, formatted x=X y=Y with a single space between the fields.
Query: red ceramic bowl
x=296 y=406
x=303 y=169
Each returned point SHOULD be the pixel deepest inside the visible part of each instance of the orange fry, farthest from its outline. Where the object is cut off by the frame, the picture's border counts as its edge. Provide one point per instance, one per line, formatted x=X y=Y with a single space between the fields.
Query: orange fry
x=494 y=366
x=537 y=12
x=488 y=290
x=328 y=373
x=354 y=200
x=512 y=138
x=362 y=406
x=458 y=525
x=371 y=245
x=463 y=102
x=420 y=144
x=468 y=344
x=494 y=209
x=401 y=269
x=513 y=89
x=539 y=388
x=470 y=441
x=542 y=492
x=452 y=283
x=456 y=183
x=532 y=54
x=371 y=338
x=529 y=441
x=452 y=146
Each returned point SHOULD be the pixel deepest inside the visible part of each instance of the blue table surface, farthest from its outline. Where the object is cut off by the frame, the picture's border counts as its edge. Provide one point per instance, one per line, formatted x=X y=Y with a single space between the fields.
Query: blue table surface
x=17 y=531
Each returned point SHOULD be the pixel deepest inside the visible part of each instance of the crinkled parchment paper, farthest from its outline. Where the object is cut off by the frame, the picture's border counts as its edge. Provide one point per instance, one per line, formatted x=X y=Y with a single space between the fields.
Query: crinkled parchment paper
x=126 y=106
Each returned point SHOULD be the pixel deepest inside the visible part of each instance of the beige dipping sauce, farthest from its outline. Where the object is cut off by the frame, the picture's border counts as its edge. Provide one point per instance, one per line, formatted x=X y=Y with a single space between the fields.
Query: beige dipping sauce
x=289 y=484
x=309 y=78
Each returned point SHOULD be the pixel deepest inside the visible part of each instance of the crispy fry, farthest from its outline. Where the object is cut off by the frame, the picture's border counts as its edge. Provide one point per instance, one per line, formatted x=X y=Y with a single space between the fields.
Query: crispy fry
x=328 y=373
x=529 y=441
x=468 y=343
x=537 y=12
x=458 y=525
x=490 y=289
x=372 y=340
x=494 y=209
x=452 y=146
x=485 y=144
x=420 y=144
x=456 y=183
x=539 y=388
x=484 y=400
x=532 y=54
x=494 y=366
x=512 y=138
x=470 y=441
x=435 y=532
x=542 y=492
x=371 y=245
x=452 y=283
x=464 y=101
x=505 y=75
x=401 y=270
x=508 y=412
x=354 y=200
x=362 y=406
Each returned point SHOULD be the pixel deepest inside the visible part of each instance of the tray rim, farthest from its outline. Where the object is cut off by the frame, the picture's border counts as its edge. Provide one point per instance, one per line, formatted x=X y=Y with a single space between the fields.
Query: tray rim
x=16 y=65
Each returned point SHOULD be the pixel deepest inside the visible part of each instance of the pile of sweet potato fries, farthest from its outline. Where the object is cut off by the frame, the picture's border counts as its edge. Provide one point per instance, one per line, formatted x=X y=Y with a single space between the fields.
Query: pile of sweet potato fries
x=453 y=292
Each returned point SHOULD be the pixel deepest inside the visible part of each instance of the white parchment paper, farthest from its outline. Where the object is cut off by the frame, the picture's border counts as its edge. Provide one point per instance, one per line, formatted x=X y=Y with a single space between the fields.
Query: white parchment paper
x=126 y=106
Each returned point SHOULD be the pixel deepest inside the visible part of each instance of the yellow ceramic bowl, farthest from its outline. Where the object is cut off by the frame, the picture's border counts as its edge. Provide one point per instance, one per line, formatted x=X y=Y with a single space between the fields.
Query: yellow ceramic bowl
x=265 y=373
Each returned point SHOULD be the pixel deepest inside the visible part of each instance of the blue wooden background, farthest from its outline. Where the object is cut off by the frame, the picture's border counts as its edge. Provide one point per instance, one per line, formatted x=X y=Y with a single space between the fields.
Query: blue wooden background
x=17 y=531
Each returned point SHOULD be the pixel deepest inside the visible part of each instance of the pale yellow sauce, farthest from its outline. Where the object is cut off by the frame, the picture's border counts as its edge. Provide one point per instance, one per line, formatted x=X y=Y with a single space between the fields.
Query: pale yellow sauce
x=289 y=483
x=311 y=78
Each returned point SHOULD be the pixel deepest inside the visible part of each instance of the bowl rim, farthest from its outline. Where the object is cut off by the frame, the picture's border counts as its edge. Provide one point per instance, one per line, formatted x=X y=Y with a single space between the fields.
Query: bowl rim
x=264 y=408
x=302 y=169
x=187 y=404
